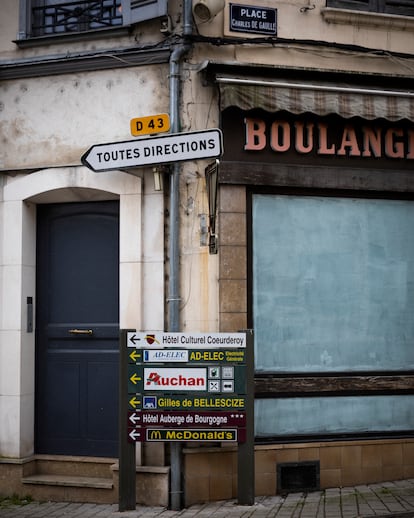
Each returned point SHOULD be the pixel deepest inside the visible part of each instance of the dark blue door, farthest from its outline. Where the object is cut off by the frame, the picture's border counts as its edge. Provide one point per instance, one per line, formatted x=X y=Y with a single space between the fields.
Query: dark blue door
x=77 y=329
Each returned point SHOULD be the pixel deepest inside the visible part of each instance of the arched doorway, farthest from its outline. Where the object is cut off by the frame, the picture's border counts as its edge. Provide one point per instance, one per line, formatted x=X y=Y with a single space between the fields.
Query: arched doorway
x=77 y=300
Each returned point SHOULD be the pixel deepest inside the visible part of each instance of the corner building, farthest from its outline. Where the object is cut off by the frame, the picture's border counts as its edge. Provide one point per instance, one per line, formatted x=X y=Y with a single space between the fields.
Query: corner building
x=315 y=240
x=78 y=249
x=313 y=236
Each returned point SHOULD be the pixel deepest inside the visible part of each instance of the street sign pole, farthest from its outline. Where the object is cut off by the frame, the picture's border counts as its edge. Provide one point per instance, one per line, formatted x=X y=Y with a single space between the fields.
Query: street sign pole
x=127 y=470
x=245 y=451
x=170 y=392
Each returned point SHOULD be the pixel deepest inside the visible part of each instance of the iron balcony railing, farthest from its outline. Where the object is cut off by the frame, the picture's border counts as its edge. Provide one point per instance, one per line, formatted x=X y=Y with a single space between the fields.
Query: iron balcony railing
x=76 y=16
x=400 y=7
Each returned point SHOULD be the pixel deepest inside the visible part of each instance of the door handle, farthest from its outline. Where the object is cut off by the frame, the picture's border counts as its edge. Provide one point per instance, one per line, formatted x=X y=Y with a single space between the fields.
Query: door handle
x=80 y=331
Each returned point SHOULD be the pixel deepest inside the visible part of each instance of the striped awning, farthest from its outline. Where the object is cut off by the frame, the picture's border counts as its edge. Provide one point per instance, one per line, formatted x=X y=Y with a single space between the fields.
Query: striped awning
x=320 y=99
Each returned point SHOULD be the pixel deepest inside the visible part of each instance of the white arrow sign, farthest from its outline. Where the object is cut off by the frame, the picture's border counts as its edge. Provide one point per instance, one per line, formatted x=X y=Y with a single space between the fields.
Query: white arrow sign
x=154 y=150
x=134 y=418
x=135 y=435
x=157 y=339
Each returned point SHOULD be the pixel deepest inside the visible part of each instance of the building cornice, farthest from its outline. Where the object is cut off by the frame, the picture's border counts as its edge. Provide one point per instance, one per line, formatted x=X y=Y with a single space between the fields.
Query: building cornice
x=82 y=62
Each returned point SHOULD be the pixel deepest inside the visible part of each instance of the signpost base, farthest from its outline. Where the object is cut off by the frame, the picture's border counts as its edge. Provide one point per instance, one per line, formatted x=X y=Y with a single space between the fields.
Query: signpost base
x=245 y=451
x=176 y=495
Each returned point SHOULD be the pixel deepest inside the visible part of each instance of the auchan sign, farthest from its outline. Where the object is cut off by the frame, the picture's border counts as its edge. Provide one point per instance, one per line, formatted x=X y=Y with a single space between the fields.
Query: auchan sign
x=166 y=379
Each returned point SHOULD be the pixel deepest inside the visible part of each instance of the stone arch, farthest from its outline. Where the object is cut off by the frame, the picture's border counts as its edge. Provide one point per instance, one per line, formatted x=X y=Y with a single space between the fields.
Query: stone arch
x=18 y=273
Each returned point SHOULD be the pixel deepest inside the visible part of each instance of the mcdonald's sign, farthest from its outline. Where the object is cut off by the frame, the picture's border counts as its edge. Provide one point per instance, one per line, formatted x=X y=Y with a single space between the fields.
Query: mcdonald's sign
x=154 y=435
x=196 y=434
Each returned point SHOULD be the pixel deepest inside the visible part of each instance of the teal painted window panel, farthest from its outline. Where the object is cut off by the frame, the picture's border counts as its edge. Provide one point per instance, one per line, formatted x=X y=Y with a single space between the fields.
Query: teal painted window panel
x=333 y=415
x=333 y=284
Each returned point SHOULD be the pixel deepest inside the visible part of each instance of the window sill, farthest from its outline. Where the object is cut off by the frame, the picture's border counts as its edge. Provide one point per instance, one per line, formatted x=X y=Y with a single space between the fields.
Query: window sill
x=367 y=19
x=72 y=37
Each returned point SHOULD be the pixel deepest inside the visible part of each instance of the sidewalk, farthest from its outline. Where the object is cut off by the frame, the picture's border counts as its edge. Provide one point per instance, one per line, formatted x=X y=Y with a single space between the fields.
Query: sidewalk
x=386 y=499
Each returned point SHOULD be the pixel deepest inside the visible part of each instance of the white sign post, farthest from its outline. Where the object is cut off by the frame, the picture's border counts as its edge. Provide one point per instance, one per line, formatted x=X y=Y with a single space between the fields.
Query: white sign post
x=175 y=147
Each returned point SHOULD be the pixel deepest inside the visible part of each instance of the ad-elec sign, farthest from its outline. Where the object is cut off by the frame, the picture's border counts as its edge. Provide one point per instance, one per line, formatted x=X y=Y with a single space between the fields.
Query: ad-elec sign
x=188 y=356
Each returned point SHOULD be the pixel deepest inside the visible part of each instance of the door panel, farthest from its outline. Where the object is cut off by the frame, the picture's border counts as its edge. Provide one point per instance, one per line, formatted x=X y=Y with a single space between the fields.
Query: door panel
x=77 y=329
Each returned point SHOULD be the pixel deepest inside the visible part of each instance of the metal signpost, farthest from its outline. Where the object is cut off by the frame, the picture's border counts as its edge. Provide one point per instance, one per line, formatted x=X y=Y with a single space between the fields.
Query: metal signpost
x=142 y=384
x=245 y=451
x=188 y=387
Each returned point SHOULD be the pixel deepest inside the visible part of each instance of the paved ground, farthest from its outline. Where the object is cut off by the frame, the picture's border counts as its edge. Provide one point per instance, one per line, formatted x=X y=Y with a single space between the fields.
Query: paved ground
x=387 y=499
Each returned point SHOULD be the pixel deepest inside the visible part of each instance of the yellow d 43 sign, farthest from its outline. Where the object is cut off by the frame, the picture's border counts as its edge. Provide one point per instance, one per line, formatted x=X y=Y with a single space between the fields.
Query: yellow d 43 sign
x=149 y=125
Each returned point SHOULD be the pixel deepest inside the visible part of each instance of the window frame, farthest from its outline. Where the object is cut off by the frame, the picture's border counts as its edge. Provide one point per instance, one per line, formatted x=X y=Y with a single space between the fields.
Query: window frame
x=323 y=385
x=387 y=7
x=335 y=198
x=133 y=11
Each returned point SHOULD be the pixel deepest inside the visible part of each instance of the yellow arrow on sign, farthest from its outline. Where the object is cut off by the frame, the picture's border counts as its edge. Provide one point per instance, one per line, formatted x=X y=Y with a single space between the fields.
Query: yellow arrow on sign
x=135 y=355
x=134 y=402
x=135 y=378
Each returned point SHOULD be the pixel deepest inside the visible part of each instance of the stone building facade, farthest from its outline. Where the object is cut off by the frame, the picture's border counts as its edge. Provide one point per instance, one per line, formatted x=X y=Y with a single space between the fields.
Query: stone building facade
x=313 y=235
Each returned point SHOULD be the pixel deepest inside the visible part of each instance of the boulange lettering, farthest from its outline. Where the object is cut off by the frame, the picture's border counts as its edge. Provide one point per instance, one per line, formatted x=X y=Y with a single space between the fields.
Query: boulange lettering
x=306 y=137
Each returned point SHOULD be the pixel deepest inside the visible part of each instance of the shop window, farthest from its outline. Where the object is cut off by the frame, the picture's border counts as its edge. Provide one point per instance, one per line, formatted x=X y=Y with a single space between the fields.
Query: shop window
x=399 y=7
x=333 y=284
x=305 y=417
x=332 y=300
x=43 y=18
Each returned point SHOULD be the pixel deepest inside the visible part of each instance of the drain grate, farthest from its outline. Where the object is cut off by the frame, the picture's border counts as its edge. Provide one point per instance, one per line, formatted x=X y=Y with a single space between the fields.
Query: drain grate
x=298 y=476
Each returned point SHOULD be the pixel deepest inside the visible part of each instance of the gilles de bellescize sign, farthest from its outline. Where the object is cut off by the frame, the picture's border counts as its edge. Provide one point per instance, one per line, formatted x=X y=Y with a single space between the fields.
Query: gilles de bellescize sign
x=186 y=386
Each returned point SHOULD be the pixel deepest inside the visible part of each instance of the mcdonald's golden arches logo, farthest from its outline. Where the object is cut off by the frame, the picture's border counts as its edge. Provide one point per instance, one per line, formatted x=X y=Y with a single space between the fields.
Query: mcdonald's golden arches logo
x=154 y=435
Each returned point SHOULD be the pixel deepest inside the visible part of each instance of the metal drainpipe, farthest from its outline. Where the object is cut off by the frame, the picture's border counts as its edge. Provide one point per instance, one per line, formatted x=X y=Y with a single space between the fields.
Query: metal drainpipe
x=174 y=257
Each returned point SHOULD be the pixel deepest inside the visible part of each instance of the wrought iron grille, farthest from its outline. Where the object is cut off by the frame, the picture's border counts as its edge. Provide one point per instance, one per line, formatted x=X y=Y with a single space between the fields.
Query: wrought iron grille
x=75 y=16
x=400 y=7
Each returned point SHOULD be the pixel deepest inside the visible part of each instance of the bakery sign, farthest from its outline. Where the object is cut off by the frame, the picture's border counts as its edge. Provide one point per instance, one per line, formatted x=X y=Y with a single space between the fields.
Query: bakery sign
x=353 y=140
x=253 y=19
